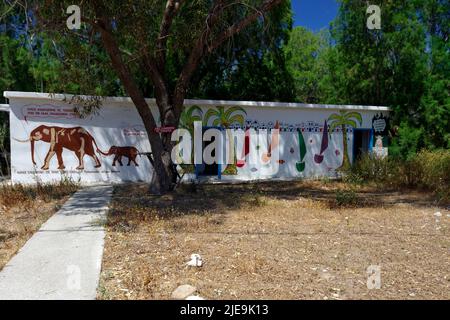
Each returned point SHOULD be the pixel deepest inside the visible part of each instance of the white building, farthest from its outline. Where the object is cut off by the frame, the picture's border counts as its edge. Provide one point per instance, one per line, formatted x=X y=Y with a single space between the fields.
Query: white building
x=47 y=135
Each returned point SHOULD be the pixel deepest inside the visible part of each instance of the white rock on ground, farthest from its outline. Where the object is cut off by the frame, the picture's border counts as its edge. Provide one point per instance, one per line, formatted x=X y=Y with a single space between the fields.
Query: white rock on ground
x=196 y=260
x=183 y=291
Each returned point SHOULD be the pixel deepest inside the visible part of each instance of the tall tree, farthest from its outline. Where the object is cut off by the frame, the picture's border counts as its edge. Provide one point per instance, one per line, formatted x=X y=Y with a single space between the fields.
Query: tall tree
x=391 y=66
x=253 y=68
x=305 y=54
x=140 y=38
x=435 y=104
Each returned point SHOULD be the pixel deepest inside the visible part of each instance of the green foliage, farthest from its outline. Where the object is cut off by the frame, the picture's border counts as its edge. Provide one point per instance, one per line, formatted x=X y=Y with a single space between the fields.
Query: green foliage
x=435 y=172
x=14 y=66
x=405 y=65
x=346 y=198
x=305 y=62
x=426 y=169
x=408 y=142
x=252 y=66
x=224 y=118
x=255 y=51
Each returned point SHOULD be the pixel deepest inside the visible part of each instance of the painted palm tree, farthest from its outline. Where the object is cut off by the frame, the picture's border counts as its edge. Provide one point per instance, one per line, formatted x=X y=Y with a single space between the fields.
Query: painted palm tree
x=225 y=118
x=187 y=119
x=189 y=116
x=344 y=119
x=220 y=117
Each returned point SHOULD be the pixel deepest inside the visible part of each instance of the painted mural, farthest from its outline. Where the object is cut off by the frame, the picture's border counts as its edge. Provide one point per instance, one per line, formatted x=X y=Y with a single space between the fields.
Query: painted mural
x=79 y=141
x=380 y=126
x=49 y=141
x=345 y=120
x=320 y=138
x=127 y=152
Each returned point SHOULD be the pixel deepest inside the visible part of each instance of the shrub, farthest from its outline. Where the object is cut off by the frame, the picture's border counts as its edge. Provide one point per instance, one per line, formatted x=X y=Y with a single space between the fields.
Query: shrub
x=346 y=198
x=426 y=169
x=368 y=168
x=435 y=172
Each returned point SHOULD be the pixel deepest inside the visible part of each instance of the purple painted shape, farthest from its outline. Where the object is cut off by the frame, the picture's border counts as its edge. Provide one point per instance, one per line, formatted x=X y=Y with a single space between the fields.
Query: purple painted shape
x=318 y=158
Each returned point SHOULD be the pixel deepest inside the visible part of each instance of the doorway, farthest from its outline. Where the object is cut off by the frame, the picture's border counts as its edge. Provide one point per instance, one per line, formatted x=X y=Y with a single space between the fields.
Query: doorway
x=362 y=142
x=208 y=170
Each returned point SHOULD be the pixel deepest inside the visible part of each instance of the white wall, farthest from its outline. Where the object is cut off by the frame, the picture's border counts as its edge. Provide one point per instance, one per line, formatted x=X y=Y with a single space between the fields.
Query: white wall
x=118 y=124
x=114 y=125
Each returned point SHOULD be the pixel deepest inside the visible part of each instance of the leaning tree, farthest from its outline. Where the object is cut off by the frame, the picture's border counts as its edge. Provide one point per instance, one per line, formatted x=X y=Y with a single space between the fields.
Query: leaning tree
x=139 y=40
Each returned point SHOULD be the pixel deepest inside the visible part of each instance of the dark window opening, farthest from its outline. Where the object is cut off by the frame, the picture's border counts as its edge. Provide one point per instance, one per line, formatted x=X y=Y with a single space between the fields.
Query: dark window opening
x=361 y=142
x=208 y=169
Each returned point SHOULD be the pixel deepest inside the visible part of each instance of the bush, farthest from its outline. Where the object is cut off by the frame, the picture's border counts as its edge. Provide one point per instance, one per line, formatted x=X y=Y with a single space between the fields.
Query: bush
x=435 y=172
x=426 y=169
x=346 y=198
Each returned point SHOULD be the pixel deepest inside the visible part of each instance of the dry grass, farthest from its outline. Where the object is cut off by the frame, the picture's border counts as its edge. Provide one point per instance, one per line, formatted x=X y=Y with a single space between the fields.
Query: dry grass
x=276 y=241
x=22 y=211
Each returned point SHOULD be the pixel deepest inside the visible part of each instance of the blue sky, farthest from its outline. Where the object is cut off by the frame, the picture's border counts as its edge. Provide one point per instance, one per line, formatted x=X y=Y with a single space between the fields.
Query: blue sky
x=314 y=14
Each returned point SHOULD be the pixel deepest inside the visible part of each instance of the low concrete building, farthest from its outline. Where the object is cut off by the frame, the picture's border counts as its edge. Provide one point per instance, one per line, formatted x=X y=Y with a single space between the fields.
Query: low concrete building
x=49 y=141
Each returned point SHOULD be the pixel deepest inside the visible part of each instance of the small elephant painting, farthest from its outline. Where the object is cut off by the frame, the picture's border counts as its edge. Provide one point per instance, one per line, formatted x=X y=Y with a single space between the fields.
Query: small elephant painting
x=129 y=152
x=77 y=140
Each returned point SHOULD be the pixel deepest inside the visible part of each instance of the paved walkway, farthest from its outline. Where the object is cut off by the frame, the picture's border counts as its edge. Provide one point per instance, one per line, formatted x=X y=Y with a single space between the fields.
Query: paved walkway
x=63 y=259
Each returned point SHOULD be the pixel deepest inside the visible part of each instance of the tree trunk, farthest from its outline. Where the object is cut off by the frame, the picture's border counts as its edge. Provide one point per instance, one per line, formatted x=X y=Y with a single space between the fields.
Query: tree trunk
x=168 y=177
x=164 y=176
x=169 y=105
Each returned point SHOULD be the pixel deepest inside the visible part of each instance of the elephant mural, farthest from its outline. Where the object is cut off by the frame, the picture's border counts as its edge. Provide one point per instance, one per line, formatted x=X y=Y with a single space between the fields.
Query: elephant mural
x=129 y=152
x=76 y=139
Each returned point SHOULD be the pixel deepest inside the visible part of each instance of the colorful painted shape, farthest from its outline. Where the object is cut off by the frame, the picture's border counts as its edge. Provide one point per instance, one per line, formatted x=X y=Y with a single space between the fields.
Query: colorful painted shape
x=301 y=165
x=318 y=158
x=275 y=143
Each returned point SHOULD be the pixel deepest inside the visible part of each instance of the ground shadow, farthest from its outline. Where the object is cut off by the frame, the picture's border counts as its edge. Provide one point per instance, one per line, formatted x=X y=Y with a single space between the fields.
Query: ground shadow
x=132 y=200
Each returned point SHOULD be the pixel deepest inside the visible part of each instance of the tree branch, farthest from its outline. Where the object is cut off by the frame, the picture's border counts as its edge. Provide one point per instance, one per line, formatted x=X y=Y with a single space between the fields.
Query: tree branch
x=161 y=92
x=201 y=47
x=195 y=57
x=237 y=27
x=172 y=7
x=104 y=26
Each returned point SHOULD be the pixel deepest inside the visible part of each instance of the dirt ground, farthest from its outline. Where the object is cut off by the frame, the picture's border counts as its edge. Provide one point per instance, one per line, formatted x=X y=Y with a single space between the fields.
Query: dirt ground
x=276 y=241
x=22 y=212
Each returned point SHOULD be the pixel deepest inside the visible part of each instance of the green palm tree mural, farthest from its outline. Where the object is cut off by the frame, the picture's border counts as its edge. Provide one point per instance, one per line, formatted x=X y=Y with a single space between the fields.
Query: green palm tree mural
x=343 y=119
x=219 y=117
x=189 y=116
x=187 y=119
x=225 y=118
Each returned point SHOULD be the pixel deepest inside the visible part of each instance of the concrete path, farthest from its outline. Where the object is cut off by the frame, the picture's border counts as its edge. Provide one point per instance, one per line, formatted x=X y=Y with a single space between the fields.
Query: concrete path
x=63 y=259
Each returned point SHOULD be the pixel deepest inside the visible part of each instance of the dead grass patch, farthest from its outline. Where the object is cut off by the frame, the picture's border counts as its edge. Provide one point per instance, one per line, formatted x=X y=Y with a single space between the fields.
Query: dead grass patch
x=275 y=241
x=22 y=211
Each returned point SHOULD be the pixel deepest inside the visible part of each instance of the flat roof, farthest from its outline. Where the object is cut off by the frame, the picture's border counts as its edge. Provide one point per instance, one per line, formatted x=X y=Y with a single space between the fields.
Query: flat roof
x=190 y=102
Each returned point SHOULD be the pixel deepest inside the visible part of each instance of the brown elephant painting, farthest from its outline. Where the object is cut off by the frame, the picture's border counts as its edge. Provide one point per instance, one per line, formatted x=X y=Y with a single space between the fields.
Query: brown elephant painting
x=129 y=152
x=76 y=139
